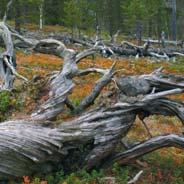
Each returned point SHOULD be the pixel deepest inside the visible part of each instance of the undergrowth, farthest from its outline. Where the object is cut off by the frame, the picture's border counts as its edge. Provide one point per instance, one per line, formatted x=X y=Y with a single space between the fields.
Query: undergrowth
x=10 y=102
x=160 y=169
x=117 y=174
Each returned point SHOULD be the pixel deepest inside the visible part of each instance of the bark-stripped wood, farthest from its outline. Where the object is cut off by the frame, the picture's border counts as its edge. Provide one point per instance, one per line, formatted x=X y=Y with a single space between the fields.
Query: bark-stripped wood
x=26 y=143
x=62 y=85
x=5 y=71
x=8 y=60
x=31 y=146
x=149 y=146
x=123 y=49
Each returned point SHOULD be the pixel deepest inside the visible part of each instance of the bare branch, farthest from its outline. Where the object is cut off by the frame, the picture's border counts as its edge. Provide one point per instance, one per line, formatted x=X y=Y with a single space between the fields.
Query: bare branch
x=147 y=129
x=85 y=54
x=99 y=85
x=92 y=70
x=136 y=178
x=164 y=56
x=162 y=94
x=157 y=71
x=179 y=54
x=130 y=44
x=149 y=146
x=6 y=35
x=7 y=10
x=29 y=42
x=13 y=69
x=5 y=71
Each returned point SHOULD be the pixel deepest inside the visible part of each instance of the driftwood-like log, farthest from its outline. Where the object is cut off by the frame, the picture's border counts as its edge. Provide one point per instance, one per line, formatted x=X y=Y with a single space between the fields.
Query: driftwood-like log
x=27 y=147
x=167 y=42
x=94 y=136
x=7 y=59
x=62 y=85
x=90 y=140
x=124 y=49
x=149 y=146
x=128 y=49
x=8 y=55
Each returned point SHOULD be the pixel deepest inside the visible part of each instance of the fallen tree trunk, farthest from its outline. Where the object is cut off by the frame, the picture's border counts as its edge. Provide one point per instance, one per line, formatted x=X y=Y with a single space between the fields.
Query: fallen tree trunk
x=91 y=139
x=124 y=49
x=167 y=42
x=129 y=49
x=28 y=147
x=62 y=84
x=8 y=60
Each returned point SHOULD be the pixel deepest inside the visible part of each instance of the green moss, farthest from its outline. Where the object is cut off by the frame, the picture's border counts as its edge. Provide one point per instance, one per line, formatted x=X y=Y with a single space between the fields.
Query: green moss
x=9 y=102
x=178 y=65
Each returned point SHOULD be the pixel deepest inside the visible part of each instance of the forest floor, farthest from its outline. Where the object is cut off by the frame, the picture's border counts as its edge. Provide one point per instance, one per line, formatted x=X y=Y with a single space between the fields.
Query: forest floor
x=165 y=166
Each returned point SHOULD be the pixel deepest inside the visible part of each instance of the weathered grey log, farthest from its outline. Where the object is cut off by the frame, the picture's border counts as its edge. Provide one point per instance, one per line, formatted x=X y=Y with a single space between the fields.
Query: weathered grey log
x=129 y=49
x=144 y=84
x=147 y=147
x=27 y=147
x=124 y=49
x=62 y=85
x=151 y=52
x=26 y=143
x=29 y=143
x=167 y=42
x=5 y=71
x=8 y=60
x=94 y=135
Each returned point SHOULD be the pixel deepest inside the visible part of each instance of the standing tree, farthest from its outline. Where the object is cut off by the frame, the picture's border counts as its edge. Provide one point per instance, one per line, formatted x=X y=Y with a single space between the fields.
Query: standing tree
x=17 y=15
x=72 y=15
x=41 y=13
x=78 y=14
x=54 y=12
x=151 y=14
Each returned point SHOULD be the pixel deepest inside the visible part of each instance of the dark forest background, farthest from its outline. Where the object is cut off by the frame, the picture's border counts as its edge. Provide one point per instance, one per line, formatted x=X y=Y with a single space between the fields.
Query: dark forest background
x=130 y=17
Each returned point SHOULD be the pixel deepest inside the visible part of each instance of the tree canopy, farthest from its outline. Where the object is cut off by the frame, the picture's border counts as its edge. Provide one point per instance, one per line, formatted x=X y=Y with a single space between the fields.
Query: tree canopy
x=154 y=16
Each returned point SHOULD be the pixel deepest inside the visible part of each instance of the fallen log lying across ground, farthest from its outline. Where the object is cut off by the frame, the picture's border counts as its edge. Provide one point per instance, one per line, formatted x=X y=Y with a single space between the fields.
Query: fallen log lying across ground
x=89 y=141
x=28 y=147
x=129 y=49
x=166 y=42
x=106 y=48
